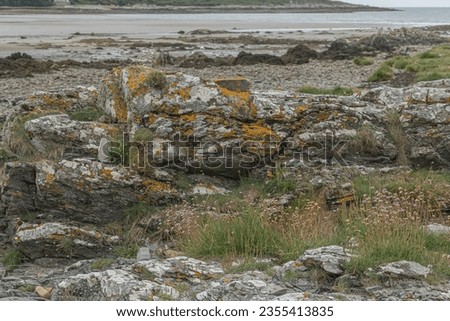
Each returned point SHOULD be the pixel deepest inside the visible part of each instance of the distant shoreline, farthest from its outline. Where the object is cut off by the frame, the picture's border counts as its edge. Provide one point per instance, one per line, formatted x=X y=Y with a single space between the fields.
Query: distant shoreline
x=97 y=9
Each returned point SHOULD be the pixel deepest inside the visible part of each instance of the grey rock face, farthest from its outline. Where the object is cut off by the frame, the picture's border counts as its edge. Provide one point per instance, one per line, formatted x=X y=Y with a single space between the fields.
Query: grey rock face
x=406 y=269
x=58 y=240
x=330 y=258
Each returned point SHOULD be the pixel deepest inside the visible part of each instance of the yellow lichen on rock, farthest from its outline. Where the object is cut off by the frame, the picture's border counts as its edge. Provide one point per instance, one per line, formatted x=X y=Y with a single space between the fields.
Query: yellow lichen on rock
x=257 y=132
x=188 y=118
x=301 y=108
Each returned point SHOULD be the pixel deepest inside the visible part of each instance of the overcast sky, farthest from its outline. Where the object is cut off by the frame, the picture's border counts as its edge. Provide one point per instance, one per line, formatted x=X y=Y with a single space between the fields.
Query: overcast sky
x=402 y=3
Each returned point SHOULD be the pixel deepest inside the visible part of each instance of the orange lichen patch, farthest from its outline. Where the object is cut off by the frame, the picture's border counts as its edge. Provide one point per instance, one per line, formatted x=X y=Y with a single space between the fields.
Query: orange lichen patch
x=242 y=101
x=137 y=77
x=110 y=130
x=50 y=178
x=169 y=109
x=188 y=132
x=155 y=186
x=214 y=120
x=150 y=119
x=119 y=105
x=106 y=173
x=240 y=98
x=189 y=118
x=55 y=102
x=229 y=135
x=323 y=116
x=301 y=108
x=82 y=186
x=258 y=132
x=184 y=93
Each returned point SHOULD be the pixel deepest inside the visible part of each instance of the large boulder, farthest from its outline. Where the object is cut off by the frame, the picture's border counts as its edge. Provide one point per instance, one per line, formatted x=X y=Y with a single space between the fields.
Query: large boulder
x=56 y=240
x=79 y=190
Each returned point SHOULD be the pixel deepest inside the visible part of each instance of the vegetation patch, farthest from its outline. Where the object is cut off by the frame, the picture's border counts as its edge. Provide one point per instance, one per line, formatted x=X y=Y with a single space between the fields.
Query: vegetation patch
x=429 y=65
x=363 y=61
x=12 y=259
x=386 y=221
x=156 y=79
x=337 y=91
x=87 y=114
x=102 y=264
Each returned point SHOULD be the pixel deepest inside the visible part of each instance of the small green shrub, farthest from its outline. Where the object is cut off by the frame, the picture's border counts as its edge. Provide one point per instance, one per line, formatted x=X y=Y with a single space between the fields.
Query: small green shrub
x=144 y=135
x=12 y=259
x=363 y=61
x=66 y=245
x=101 y=264
x=156 y=79
x=182 y=181
x=136 y=212
x=128 y=251
x=27 y=288
x=250 y=265
x=429 y=55
x=383 y=73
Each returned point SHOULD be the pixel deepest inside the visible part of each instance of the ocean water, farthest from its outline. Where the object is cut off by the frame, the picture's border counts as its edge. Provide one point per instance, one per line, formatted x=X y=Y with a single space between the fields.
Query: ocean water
x=166 y=24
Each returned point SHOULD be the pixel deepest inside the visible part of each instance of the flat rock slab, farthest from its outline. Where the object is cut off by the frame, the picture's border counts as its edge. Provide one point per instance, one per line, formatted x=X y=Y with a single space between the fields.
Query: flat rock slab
x=405 y=269
x=330 y=258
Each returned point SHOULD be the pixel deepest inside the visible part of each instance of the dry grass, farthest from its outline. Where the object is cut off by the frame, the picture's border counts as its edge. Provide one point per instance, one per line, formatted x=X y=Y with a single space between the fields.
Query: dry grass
x=365 y=141
x=387 y=223
x=398 y=136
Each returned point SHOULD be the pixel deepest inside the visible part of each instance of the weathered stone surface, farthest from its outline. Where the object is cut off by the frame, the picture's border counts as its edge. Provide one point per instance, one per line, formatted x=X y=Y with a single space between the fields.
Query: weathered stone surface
x=404 y=269
x=118 y=285
x=330 y=258
x=51 y=133
x=59 y=240
x=181 y=268
x=438 y=229
x=44 y=293
x=143 y=254
x=78 y=190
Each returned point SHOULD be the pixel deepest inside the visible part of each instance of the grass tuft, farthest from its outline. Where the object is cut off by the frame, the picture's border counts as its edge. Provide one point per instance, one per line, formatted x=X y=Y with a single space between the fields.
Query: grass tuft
x=429 y=65
x=363 y=61
x=337 y=91
x=12 y=259
x=87 y=114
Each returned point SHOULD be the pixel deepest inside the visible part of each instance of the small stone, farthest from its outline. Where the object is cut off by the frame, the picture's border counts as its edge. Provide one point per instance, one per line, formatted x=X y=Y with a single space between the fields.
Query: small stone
x=143 y=254
x=45 y=293
x=438 y=229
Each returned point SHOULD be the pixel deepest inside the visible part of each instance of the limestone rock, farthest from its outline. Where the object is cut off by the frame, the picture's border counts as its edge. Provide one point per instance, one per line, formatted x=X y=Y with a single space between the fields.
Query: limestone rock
x=45 y=293
x=60 y=240
x=182 y=268
x=438 y=229
x=404 y=269
x=330 y=258
x=53 y=132
x=112 y=285
x=80 y=189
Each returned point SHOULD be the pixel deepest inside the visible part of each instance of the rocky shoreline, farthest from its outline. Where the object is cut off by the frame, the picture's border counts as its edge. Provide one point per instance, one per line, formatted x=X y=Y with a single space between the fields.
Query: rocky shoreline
x=83 y=217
